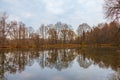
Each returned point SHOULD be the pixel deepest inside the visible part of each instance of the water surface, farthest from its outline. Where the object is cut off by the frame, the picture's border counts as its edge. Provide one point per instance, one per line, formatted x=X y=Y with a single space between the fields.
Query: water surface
x=60 y=64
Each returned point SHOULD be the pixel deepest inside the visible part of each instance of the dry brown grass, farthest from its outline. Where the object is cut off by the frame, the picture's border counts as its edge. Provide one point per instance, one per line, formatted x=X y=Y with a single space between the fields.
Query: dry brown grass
x=61 y=46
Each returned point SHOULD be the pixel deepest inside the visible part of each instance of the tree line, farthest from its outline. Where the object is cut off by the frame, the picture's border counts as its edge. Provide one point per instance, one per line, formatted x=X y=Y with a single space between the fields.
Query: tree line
x=16 y=34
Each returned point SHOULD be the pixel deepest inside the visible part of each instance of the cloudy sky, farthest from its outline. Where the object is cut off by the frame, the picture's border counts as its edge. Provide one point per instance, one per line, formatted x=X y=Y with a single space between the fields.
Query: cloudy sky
x=36 y=12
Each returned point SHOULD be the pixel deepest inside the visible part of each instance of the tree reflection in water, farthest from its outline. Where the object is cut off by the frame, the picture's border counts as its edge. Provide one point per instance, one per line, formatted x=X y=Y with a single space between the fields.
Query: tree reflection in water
x=83 y=61
x=60 y=59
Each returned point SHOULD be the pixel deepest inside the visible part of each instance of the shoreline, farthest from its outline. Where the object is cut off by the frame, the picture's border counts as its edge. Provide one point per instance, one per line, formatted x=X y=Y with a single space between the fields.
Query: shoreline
x=60 y=46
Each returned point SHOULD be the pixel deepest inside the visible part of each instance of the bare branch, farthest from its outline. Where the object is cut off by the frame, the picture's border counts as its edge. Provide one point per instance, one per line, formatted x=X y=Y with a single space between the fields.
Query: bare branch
x=112 y=9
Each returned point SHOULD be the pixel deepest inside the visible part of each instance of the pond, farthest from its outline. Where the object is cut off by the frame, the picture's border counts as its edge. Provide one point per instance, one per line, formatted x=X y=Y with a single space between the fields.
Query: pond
x=60 y=64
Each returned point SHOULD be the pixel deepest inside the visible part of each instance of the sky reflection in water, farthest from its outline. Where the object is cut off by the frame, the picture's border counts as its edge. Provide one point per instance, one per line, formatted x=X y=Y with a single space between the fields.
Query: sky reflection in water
x=63 y=64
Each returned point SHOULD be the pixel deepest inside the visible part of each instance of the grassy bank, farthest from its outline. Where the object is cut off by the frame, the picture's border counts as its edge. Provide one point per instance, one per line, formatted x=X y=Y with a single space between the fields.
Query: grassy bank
x=58 y=46
x=61 y=46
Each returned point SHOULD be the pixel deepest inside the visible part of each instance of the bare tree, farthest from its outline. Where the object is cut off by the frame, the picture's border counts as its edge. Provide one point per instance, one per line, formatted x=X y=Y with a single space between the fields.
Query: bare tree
x=71 y=35
x=112 y=9
x=4 y=28
x=43 y=32
x=53 y=35
x=64 y=34
x=81 y=30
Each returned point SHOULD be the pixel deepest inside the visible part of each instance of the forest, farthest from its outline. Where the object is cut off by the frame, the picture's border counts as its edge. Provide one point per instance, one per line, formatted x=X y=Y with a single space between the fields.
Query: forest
x=15 y=34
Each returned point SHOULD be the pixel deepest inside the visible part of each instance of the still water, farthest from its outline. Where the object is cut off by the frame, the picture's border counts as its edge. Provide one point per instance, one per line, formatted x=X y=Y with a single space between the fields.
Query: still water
x=60 y=64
